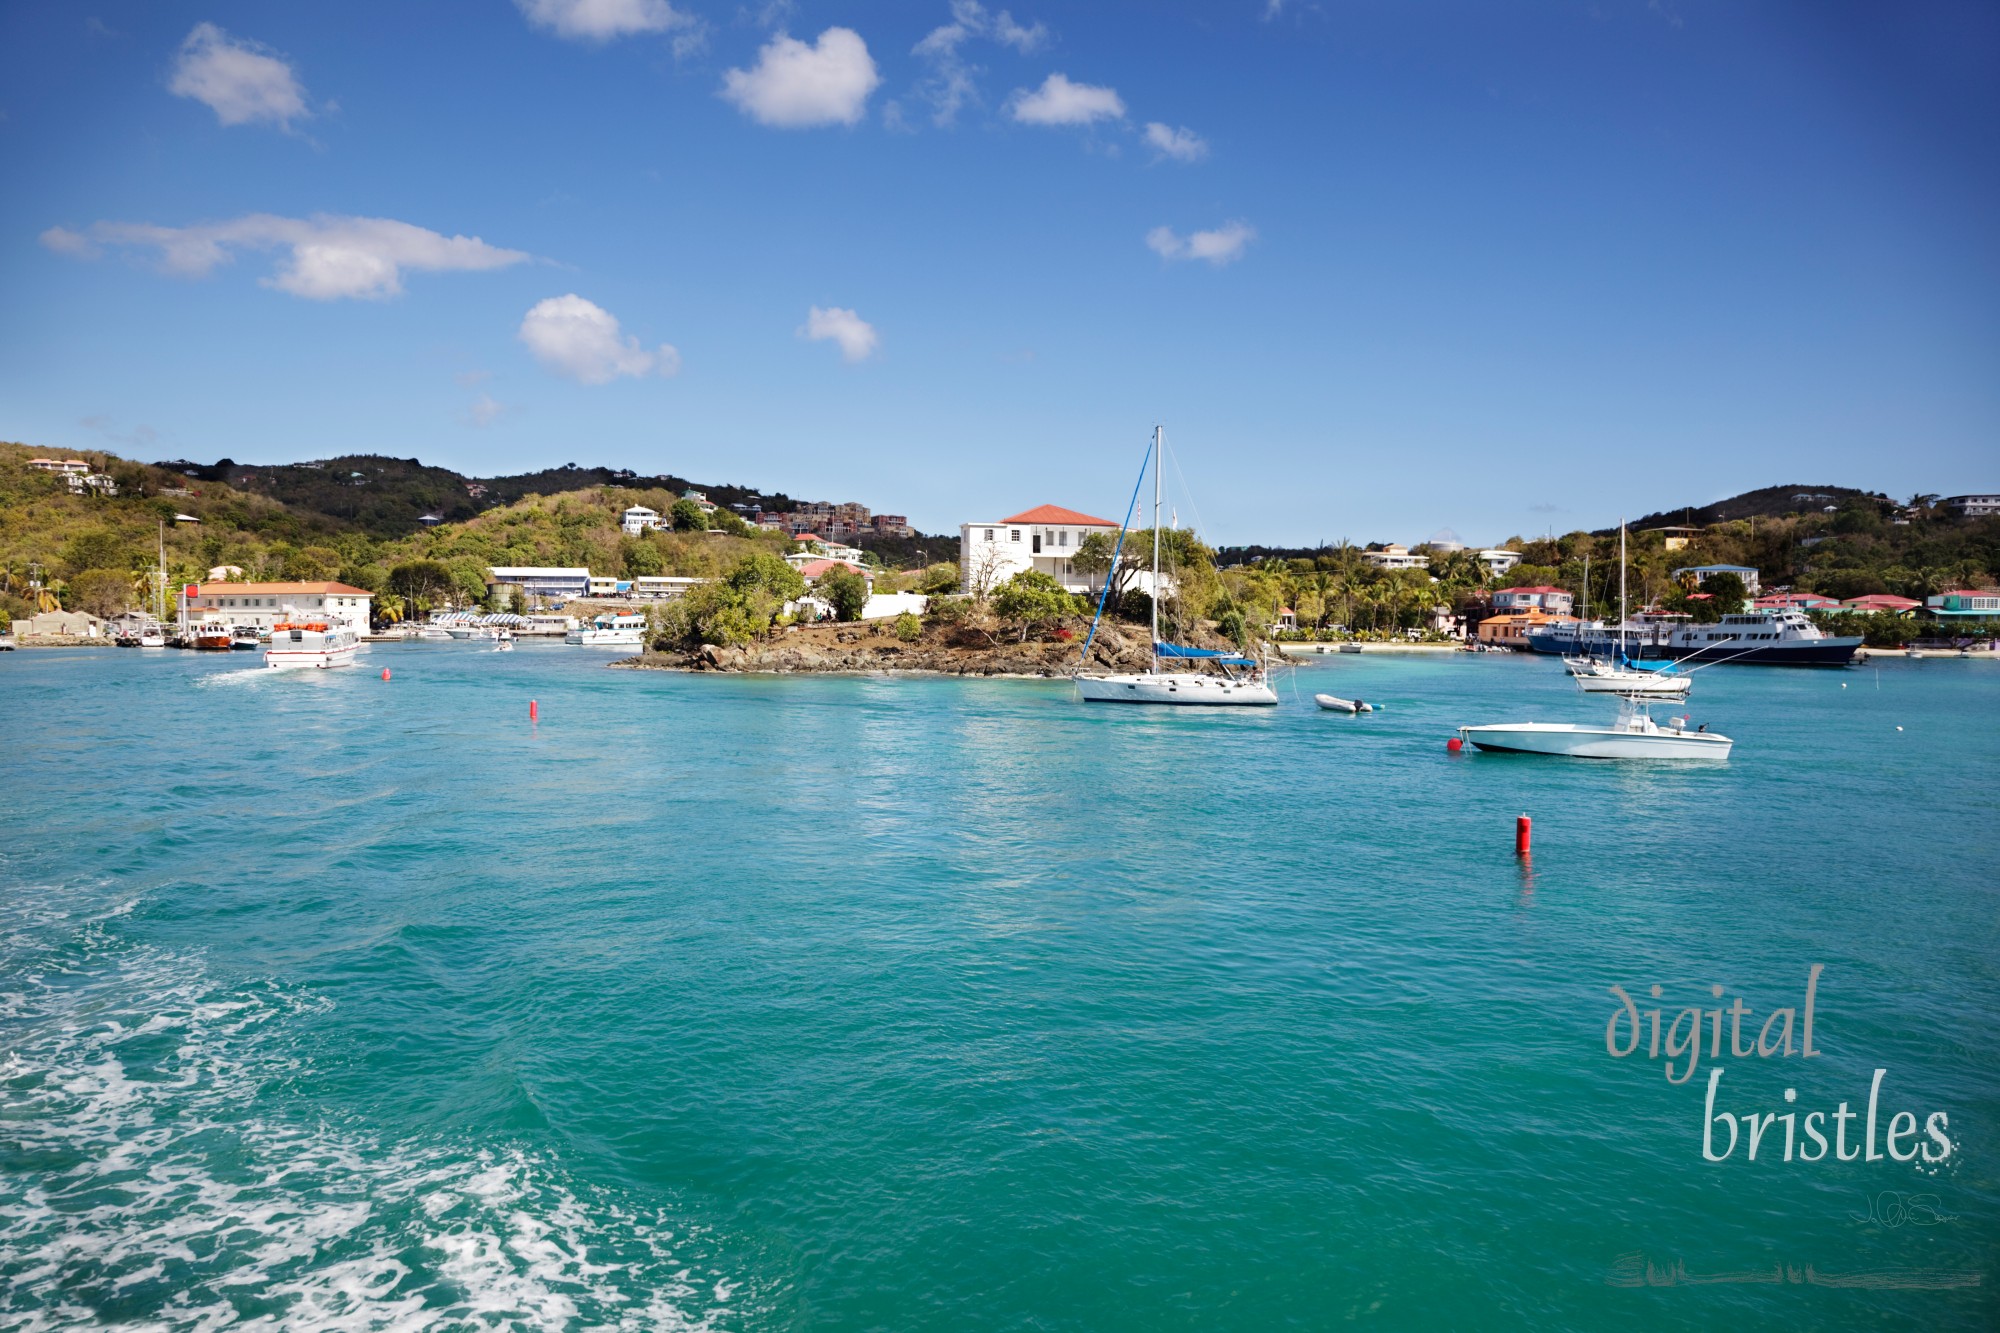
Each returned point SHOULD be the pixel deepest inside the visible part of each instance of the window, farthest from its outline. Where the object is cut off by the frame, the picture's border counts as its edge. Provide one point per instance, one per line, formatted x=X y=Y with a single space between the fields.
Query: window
x=989 y=534
x=1013 y=534
x=1062 y=537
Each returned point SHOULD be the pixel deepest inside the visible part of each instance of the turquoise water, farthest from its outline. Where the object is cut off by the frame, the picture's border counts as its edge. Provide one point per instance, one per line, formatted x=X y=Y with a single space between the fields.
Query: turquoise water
x=833 y=1004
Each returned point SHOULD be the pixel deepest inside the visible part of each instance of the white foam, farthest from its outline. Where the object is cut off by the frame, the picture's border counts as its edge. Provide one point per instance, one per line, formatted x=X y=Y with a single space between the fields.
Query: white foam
x=169 y=1193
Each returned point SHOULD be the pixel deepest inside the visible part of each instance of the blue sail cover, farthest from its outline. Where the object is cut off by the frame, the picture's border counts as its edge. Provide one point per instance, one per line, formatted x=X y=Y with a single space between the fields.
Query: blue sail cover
x=1181 y=650
x=1664 y=668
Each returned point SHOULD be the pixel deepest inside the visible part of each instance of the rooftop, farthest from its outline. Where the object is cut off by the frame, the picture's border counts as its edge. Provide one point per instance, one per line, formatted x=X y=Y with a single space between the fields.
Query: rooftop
x=1057 y=514
x=277 y=589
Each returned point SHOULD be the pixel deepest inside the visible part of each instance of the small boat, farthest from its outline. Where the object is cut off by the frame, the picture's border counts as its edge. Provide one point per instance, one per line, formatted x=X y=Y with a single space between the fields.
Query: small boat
x=503 y=641
x=1335 y=704
x=1350 y=647
x=619 y=629
x=434 y=632
x=310 y=643
x=1595 y=677
x=212 y=637
x=245 y=638
x=125 y=638
x=1633 y=736
x=152 y=636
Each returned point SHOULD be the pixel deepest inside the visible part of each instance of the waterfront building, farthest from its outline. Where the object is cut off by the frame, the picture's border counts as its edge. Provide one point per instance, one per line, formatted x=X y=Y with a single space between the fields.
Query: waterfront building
x=1703 y=573
x=1044 y=538
x=1394 y=556
x=1880 y=603
x=1510 y=629
x=1551 y=601
x=540 y=580
x=1965 y=604
x=664 y=585
x=639 y=519
x=266 y=604
x=1973 y=506
x=74 y=624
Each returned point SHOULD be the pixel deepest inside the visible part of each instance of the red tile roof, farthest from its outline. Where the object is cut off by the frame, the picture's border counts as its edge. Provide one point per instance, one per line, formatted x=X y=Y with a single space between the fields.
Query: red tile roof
x=812 y=569
x=1057 y=514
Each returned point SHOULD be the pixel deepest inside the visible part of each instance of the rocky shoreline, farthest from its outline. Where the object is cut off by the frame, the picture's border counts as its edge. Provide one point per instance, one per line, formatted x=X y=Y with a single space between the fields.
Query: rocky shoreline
x=874 y=648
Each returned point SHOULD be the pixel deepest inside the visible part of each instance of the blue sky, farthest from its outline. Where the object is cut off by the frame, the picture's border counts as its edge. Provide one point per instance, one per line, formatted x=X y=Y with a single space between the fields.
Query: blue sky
x=1382 y=269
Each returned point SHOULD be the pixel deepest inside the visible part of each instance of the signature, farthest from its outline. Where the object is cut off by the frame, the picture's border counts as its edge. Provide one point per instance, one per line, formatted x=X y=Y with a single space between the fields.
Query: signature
x=1893 y=1208
x=1635 y=1270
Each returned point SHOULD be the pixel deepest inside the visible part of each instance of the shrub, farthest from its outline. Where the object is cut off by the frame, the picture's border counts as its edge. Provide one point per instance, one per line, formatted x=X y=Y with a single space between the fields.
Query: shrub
x=908 y=628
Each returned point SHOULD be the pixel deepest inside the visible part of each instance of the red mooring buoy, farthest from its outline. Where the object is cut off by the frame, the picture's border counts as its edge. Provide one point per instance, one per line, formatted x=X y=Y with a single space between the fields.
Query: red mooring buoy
x=1454 y=745
x=385 y=673
x=534 y=711
x=1524 y=832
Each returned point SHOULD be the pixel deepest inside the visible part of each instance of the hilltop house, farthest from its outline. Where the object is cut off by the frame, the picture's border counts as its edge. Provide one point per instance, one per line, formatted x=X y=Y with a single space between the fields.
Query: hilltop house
x=1702 y=574
x=1394 y=556
x=1973 y=506
x=1498 y=560
x=639 y=519
x=1044 y=538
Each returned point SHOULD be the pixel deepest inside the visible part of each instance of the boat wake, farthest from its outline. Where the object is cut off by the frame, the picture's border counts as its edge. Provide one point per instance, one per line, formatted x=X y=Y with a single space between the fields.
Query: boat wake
x=146 y=1180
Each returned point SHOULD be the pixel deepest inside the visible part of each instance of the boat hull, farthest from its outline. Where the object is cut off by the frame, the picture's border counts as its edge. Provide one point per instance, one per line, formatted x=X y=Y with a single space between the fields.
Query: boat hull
x=1575 y=741
x=1636 y=682
x=309 y=659
x=1183 y=689
x=1333 y=703
x=605 y=638
x=1818 y=652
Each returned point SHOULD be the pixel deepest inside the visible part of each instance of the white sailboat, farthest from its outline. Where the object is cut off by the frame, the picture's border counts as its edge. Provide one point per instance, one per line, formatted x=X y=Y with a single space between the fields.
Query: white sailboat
x=1622 y=676
x=1155 y=686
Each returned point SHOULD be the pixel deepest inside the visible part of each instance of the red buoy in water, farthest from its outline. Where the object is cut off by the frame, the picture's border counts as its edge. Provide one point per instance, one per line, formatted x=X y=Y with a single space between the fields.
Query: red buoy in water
x=1524 y=829
x=534 y=711
x=385 y=673
x=1454 y=745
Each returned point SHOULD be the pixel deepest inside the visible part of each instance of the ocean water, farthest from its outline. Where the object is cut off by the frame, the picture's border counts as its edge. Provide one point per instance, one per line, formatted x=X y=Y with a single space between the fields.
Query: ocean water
x=856 y=1003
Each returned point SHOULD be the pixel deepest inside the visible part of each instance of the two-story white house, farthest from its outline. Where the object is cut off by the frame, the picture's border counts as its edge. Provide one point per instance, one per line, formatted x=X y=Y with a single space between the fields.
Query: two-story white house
x=1044 y=538
x=639 y=519
x=1552 y=601
x=1498 y=560
x=266 y=604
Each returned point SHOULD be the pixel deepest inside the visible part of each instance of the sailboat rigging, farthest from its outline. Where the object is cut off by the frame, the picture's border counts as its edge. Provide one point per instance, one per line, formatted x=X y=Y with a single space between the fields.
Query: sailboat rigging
x=1242 y=680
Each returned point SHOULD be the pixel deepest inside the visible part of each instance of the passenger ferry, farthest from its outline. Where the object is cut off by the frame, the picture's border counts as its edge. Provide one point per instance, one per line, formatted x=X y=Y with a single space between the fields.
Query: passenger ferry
x=619 y=629
x=310 y=643
x=211 y=636
x=1782 y=637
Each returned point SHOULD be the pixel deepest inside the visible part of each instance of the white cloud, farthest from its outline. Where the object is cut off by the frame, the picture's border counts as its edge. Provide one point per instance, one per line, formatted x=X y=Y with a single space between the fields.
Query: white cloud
x=794 y=85
x=581 y=340
x=1222 y=246
x=1060 y=102
x=240 y=81
x=484 y=411
x=331 y=257
x=952 y=82
x=856 y=336
x=1182 y=145
x=602 y=20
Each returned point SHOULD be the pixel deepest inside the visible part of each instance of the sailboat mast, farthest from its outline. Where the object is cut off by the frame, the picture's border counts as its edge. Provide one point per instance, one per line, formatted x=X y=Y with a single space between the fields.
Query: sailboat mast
x=160 y=578
x=1621 y=588
x=1158 y=435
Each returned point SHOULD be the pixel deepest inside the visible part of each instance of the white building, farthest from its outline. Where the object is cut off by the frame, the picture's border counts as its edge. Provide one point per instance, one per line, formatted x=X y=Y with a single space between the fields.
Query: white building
x=265 y=604
x=1498 y=560
x=541 y=580
x=1044 y=538
x=1393 y=556
x=639 y=519
x=813 y=548
x=1973 y=506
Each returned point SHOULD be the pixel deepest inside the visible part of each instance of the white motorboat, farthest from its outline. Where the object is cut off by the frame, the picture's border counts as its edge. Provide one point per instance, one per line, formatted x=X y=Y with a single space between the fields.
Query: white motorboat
x=1171 y=687
x=1333 y=703
x=310 y=643
x=1633 y=736
x=433 y=632
x=244 y=638
x=503 y=641
x=613 y=629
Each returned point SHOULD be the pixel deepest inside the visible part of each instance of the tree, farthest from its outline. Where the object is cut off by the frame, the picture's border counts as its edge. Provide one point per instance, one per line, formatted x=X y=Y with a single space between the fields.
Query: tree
x=419 y=582
x=641 y=557
x=99 y=548
x=1727 y=591
x=688 y=516
x=101 y=592
x=938 y=580
x=1033 y=599
x=312 y=564
x=845 y=590
x=763 y=571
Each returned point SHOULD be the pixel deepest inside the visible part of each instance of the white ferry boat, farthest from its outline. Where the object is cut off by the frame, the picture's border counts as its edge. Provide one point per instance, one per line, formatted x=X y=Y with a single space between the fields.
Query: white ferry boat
x=1752 y=638
x=310 y=643
x=617 y=629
